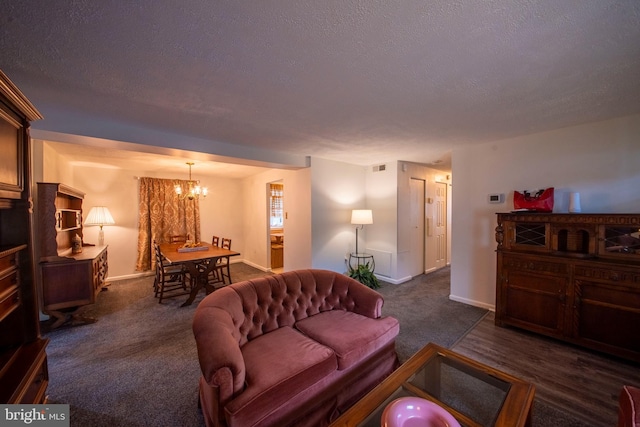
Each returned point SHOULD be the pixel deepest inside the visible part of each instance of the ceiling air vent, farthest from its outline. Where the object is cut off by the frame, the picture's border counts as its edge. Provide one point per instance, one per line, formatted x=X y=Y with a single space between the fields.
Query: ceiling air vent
x=379 y=168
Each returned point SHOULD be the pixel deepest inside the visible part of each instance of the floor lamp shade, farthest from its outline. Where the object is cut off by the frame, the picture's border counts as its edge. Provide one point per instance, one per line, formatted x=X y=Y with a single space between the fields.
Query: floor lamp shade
x=99 y=215
x=361 y=217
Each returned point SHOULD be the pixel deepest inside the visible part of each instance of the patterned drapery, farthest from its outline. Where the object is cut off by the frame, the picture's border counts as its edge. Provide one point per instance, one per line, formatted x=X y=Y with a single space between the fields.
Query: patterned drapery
x=163 y=213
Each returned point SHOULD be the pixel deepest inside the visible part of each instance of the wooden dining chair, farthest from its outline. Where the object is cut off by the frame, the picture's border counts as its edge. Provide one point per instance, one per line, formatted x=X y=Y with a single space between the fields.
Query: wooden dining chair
x=222 y=267
x=216 y=274
x=177 y=238
x=170 y=280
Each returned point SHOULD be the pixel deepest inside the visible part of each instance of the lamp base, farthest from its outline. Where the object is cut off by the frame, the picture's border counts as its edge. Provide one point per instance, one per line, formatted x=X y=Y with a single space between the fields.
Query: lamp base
x=101 y=237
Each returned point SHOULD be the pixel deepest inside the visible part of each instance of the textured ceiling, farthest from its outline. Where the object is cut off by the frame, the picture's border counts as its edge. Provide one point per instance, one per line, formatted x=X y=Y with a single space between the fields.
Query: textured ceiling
x=357 y=81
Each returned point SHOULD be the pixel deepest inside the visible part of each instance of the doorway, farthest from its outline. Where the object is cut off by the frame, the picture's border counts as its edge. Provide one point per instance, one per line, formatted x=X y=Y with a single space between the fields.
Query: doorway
x=276 y=226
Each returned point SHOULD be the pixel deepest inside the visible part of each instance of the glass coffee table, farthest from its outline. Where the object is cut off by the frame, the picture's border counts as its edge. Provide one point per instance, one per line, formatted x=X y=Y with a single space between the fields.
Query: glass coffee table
x=475 y=394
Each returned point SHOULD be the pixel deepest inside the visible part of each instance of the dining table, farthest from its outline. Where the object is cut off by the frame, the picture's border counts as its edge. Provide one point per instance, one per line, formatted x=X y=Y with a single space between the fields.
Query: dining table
x=199 y=261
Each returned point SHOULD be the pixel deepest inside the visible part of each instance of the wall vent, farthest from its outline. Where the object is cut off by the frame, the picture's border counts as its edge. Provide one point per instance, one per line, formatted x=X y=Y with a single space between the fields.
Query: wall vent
x=379 y=168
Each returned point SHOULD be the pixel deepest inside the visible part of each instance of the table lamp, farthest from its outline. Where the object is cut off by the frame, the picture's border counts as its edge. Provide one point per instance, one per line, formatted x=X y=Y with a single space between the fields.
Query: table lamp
x=360 y=217
x=99 y=215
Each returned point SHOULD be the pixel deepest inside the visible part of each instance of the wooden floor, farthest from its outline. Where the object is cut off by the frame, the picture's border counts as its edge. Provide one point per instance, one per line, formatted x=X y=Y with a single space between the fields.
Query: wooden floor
x=578 y=381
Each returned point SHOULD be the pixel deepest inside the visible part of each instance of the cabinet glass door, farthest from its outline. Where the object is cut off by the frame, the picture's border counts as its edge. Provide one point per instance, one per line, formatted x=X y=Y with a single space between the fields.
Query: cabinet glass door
x=620 y=241
x=529 y=236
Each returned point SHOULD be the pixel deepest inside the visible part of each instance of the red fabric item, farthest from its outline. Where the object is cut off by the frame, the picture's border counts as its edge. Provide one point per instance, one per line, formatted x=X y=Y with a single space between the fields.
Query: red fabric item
x=629 y=407
x=541 y=201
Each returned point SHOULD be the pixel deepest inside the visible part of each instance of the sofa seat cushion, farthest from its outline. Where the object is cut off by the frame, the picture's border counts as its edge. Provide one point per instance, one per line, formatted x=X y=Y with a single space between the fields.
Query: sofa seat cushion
x=352 y=337
x=280 y=365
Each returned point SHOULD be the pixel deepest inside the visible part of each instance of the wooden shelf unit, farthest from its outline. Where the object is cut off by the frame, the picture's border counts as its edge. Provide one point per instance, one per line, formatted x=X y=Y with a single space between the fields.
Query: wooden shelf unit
x=69 y=281
x=575 y=277
x=23 y=359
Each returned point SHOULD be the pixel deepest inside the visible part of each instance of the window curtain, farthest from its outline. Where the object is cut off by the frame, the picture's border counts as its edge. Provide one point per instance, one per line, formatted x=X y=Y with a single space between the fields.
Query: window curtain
x=163 y=213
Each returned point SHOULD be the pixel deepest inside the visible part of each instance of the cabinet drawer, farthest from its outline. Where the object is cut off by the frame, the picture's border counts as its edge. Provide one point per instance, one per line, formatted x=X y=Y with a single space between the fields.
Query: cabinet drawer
x=611 y=295
x=25 y=377
x=8 y=262
x=9 y=294
x=35 y=391
x=533 y=265
x=607 y=274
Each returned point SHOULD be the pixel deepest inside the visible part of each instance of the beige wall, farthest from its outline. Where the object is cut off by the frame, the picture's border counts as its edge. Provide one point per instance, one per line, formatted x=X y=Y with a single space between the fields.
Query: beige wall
x=297 y=222
x=118 y=190
x=598 y=160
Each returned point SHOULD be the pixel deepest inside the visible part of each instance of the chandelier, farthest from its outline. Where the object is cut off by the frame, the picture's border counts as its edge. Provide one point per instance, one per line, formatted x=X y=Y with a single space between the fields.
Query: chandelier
x=193 y=190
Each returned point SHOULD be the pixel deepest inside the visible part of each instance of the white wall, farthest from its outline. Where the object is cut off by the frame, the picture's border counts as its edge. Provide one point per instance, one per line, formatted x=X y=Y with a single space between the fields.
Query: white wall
x=336 y=189
x=600 y=160
x=382 y=235
x=407 y=171
x=297 y=222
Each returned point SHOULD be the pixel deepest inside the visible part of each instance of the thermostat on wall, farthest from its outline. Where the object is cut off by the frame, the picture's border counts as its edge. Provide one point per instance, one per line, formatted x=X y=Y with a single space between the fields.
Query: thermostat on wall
x=496 y=198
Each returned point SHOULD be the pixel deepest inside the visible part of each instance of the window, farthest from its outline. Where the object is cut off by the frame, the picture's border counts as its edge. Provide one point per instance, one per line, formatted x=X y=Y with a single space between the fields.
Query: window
x=276 y=206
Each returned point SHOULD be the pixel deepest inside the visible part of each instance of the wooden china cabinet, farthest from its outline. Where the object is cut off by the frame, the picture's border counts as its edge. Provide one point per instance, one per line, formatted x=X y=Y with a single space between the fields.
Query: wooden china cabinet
x=575 y=277
x=70 y=280
x=23 y=360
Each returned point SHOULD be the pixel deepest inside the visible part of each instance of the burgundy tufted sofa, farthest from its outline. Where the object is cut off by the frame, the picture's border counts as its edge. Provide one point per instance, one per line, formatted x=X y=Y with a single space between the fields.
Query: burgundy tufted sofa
x=293 y=349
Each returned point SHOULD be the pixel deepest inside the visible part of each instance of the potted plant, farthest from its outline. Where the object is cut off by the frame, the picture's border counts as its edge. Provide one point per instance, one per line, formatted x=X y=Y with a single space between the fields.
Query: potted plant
x=363 y=274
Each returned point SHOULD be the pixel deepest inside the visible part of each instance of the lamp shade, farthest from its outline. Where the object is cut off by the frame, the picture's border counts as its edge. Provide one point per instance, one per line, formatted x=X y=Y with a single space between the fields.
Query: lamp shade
x=361 y=216
x=99 y=215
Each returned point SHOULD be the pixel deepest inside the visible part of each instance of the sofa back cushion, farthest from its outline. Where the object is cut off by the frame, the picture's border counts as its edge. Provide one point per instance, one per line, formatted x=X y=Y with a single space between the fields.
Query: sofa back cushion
x=264 y=304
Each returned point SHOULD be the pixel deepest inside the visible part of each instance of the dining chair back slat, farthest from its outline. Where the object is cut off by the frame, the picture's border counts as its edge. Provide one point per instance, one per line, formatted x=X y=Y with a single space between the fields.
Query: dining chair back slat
x=170 y=280
x=177 y=238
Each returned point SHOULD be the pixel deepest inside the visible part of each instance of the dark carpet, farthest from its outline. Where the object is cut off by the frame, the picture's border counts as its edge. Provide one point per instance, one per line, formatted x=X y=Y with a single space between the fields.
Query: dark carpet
x=137 y=365
x=426 y=313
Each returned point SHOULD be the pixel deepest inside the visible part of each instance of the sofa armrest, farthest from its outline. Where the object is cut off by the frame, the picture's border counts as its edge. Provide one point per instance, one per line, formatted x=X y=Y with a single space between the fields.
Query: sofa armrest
x=367 y=302
x=219 y=352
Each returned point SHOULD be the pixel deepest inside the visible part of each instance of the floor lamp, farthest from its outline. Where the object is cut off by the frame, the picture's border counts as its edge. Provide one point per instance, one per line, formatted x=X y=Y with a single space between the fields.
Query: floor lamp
x=99 y=215
x=361 y=217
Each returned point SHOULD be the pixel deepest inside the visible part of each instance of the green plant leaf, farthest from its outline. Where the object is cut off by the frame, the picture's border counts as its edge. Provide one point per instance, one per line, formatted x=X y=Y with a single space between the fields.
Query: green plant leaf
x=363 y=274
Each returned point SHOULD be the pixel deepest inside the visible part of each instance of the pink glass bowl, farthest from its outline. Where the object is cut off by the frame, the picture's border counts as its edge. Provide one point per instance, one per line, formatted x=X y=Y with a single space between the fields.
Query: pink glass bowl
x=416 y=412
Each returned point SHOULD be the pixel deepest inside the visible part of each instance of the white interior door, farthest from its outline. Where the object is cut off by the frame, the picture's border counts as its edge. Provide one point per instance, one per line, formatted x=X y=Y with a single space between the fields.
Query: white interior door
x=440 y=226
x=417 y=190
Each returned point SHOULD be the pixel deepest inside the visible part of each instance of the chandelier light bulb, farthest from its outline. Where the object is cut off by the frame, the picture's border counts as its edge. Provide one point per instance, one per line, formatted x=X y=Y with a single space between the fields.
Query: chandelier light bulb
x=193 y=190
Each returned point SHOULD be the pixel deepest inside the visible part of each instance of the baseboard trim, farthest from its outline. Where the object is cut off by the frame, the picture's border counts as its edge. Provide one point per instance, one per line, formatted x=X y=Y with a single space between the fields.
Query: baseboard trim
x=129 y=276
x=393 y=281
x=490 y=307
x=259 y=267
